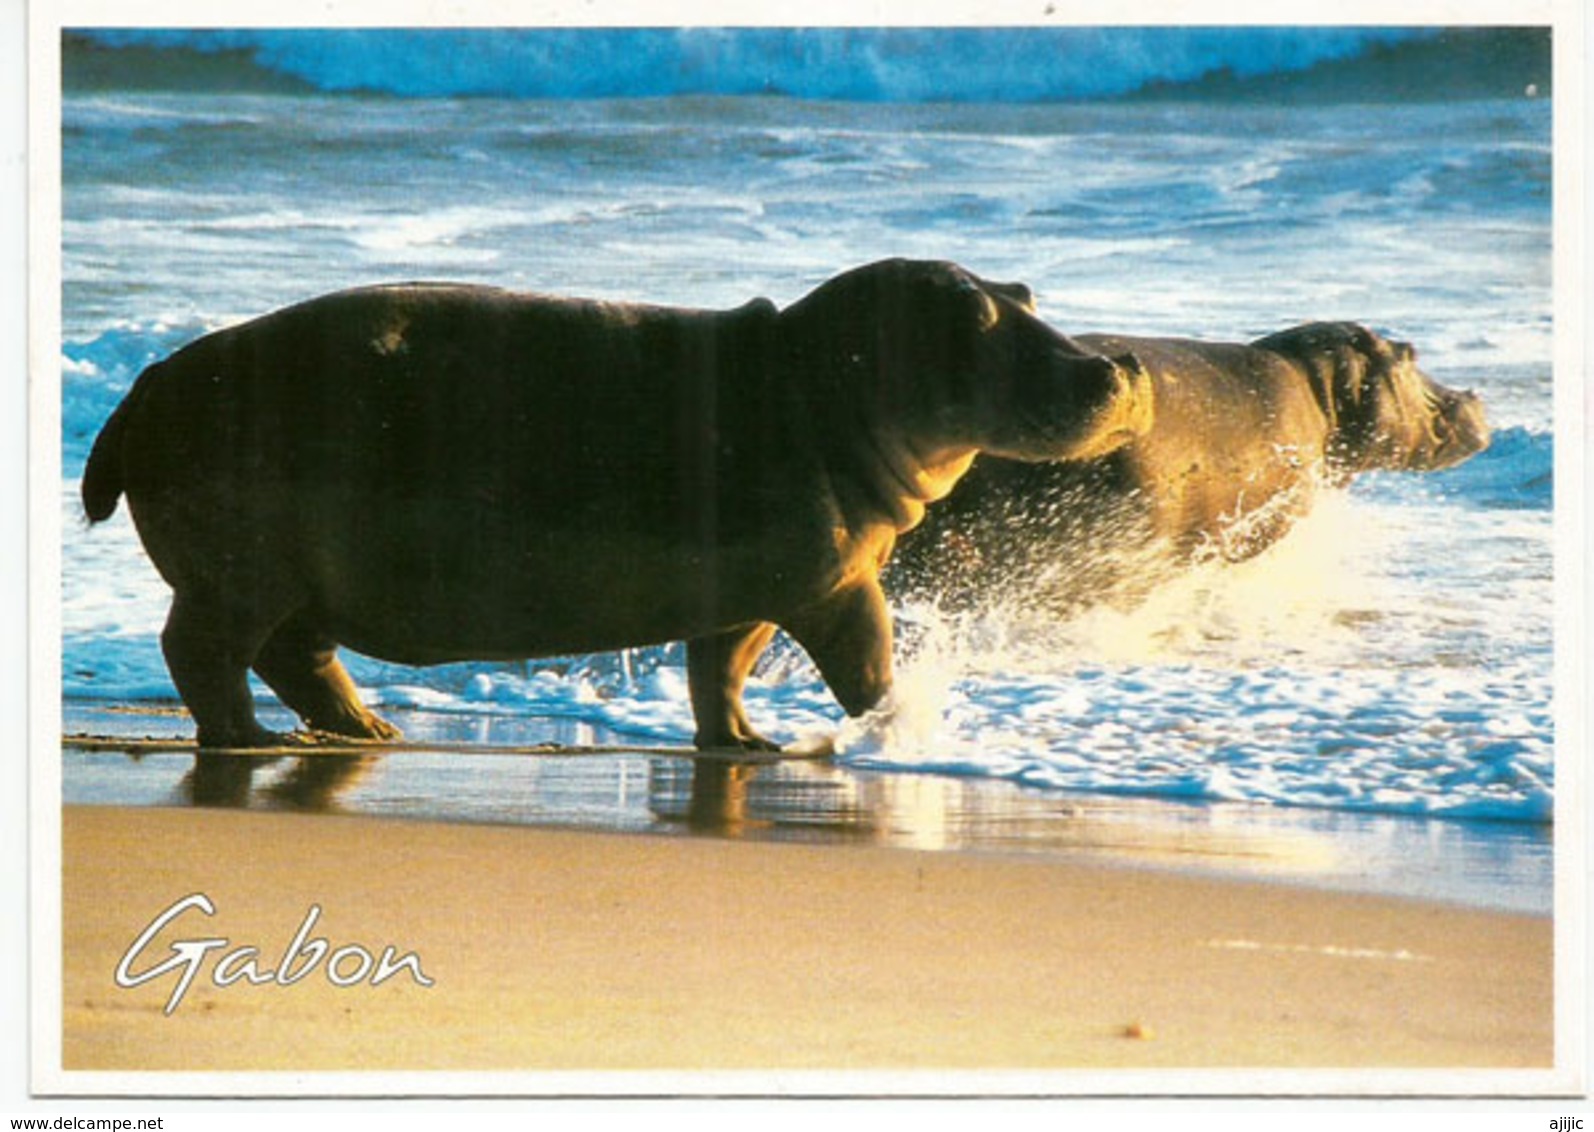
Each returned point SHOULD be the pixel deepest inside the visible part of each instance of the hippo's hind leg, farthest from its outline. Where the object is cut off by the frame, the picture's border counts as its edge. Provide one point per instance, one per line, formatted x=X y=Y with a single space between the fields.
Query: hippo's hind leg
x=301 y=665
x=717 y=668
x=209 y=644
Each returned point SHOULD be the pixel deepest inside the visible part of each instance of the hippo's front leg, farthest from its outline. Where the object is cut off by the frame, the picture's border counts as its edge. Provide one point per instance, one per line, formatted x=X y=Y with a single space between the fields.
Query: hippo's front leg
x=848 y=635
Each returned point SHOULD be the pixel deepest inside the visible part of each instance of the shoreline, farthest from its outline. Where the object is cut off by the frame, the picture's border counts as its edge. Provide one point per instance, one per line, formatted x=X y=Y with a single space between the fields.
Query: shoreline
x=1501 y=866
x=555 y=951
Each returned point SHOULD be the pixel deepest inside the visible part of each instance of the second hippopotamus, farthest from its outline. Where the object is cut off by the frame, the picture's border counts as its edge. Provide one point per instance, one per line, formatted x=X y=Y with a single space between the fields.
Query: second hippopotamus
x=1241 y=436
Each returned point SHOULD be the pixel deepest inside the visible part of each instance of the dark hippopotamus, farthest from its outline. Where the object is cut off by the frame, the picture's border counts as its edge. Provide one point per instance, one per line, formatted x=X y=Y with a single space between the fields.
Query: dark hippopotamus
x=1241 y=436
x=430 y=472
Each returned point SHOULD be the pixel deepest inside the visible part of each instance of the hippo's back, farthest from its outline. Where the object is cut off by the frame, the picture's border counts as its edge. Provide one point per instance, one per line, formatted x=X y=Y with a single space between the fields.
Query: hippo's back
x=432 y=391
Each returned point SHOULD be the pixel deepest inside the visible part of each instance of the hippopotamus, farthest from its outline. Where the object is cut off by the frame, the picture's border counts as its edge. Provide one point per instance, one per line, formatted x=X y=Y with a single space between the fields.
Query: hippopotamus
x=434 y=472
x=1241 y=436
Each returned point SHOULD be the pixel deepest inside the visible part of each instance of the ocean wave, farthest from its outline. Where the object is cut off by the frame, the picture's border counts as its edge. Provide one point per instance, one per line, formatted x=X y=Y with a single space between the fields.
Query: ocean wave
x=1515 y=473
x=844 y=64
x=97 y=373
x=1416 y=742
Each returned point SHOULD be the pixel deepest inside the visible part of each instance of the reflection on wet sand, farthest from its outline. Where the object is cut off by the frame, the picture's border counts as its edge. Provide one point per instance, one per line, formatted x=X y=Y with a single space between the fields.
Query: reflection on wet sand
x=735 y=799
x=1501 y=864
x=709 y=795
x=223 y=781
x=718 y=799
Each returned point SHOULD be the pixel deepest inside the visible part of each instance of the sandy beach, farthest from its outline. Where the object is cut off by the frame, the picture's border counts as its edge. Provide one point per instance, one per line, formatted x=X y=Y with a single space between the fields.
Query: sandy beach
x=557 y=950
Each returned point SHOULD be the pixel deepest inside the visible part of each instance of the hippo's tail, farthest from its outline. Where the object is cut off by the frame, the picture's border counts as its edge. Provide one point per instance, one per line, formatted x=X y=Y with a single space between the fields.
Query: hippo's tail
x=102 y=475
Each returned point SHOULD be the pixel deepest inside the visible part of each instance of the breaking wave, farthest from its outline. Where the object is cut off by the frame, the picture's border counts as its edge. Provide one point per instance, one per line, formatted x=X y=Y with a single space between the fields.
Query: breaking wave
x=849 y=64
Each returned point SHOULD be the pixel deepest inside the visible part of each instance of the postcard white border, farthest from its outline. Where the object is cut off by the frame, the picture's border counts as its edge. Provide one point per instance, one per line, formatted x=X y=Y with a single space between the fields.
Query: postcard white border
x=46 y=21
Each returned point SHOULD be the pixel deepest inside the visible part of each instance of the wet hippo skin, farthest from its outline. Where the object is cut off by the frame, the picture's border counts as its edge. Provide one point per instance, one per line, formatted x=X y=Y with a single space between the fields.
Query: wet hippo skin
x=428 y=473
x=1240 y=438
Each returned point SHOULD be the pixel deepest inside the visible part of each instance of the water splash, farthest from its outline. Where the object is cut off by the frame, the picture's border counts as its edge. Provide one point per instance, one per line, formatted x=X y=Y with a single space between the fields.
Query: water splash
x=1307 y=675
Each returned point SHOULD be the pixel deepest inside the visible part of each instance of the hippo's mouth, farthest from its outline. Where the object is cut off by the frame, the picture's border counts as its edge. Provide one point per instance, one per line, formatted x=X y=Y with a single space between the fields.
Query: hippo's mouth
x=1124 y=415
x=1096 y=407
x=1460 y=431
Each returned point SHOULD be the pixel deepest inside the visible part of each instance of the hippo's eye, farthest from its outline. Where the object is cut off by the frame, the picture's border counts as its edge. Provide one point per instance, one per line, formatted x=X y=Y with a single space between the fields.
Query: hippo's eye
x=983 y=306
x=987 y=313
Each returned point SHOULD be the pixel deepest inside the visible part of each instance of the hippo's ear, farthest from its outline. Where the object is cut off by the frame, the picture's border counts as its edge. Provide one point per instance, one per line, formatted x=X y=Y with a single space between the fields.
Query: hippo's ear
x=1016 y=293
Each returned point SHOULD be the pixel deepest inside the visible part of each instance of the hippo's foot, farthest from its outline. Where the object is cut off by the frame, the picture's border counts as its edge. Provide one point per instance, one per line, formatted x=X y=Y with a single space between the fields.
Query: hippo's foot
x=382 y=730
x=249 y=738
x=364 y=726
x=737 y=737
x=299 y=662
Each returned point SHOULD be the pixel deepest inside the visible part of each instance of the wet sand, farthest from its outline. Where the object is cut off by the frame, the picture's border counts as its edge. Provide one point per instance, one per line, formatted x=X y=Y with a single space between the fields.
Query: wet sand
x=555 y=950
x=1507 y=866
